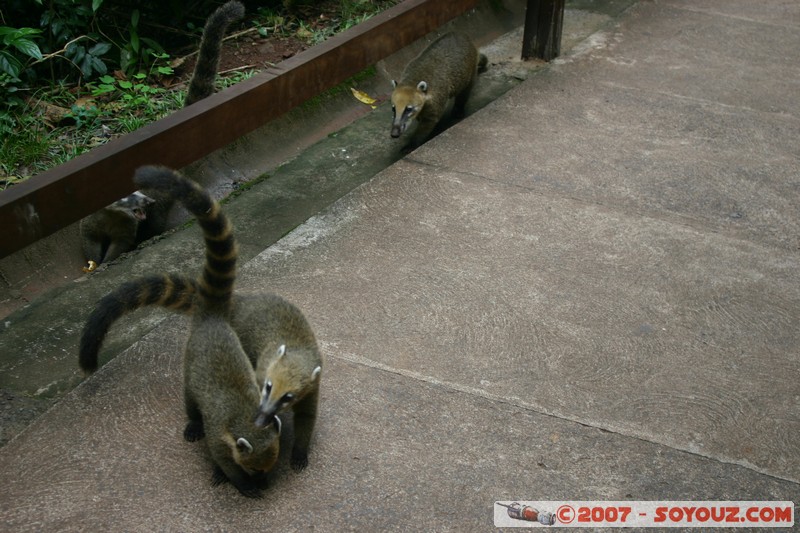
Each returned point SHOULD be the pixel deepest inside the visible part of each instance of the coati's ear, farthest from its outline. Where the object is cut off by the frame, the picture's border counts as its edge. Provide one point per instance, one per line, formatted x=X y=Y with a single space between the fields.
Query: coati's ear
x=144 y=198
x=281 y=350
x=423 y=86
x=394 y=84
x=244 y=445
x=315 y=373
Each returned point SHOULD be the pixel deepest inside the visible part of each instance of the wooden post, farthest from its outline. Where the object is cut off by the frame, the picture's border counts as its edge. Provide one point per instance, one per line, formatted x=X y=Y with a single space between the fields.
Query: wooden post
x=544 y=20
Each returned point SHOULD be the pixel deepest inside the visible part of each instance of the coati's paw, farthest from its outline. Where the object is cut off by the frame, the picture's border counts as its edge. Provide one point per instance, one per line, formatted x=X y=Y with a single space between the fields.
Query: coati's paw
x=250 y=487
x=194 y=431
x=219 y=477
x=299 y=460
x=251 y=492
x=260 y=480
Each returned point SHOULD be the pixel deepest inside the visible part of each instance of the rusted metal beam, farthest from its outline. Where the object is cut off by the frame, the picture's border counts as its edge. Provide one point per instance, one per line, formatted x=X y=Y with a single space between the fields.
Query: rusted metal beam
x=63 y=195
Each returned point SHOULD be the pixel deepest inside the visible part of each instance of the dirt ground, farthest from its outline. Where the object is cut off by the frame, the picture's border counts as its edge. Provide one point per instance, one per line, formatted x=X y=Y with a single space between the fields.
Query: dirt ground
x=245 y=49
x=247 y=52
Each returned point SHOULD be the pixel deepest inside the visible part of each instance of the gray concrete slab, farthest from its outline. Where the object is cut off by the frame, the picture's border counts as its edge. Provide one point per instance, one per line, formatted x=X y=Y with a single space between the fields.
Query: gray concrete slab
x=659 y=119
x=586 y=290
x=37 y=369
x=637 y=325
x=392 y=452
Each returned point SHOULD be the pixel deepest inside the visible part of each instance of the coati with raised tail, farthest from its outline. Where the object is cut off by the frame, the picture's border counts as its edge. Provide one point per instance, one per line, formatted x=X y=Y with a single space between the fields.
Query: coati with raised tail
x=205 y=70
x=262 y=322
x=117 y=229
x=220 y=389
x=446 y=69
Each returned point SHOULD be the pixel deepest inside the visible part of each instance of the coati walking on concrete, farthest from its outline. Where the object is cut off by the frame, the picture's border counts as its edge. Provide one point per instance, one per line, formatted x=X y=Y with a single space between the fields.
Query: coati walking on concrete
x=263 y=324
x=220 y=390
x=108 y=233
x=446 y=69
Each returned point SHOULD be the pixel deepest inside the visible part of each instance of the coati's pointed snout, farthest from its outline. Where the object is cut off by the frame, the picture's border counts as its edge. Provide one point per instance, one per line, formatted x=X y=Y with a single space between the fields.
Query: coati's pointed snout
x=396 y=132
x=267 y=417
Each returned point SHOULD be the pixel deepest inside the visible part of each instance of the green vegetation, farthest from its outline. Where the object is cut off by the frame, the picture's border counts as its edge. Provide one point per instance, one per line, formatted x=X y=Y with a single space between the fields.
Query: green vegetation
x=76 y=73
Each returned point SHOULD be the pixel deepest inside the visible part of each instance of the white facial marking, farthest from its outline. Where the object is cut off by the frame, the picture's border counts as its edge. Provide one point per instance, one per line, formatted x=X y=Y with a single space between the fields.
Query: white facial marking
x=243 y=444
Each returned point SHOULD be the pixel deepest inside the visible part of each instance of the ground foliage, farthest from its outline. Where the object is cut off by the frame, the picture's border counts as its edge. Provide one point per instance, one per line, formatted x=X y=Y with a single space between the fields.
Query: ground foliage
x=77 y=73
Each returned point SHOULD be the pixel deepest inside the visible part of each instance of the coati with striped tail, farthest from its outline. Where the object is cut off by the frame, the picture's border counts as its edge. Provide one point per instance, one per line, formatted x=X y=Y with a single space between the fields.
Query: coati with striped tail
x=288 y=377
x=446 y=69
x=220 y=389
x=121 y=226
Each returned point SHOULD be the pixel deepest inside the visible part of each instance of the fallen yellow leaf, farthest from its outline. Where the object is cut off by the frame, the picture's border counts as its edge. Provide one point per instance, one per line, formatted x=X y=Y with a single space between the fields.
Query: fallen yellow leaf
x=91 y=268
x=362 y=96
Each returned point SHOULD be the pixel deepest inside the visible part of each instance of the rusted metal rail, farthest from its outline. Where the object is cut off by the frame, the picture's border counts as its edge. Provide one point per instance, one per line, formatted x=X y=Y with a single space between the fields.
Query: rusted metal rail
x=63 y=195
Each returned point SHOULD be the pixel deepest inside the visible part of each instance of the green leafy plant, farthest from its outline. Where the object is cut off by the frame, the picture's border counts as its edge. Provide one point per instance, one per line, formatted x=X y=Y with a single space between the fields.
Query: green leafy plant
x=140 y=52
x=16 y=42
x=134 y=93
x=135 y=97
x=85 y=117
x=88 y=59
x=68 y=64
x=70 y=35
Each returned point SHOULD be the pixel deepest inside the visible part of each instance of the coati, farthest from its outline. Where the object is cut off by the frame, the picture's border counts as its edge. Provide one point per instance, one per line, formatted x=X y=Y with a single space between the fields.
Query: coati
x=107 y=229
x=205 y=70
x=220 y=390
x=111 y=231
x=446 y=69
x=288 y=378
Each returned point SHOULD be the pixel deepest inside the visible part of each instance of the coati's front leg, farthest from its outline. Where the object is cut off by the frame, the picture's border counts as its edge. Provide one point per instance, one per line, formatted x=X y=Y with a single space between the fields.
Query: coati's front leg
x=460 y=103
x=118 y=247
x=305 y=416
x=194 y=430
x=93 y=250
x=425 y=124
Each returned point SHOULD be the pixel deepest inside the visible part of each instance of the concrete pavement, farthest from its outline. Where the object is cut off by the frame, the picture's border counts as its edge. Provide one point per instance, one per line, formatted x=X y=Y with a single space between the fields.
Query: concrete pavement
x=587 y=290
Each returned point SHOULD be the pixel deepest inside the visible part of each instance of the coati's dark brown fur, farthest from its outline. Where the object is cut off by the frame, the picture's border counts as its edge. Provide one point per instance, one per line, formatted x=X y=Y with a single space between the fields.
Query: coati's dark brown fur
x=221 y=394
x=446 y=69
x=111 y=231
x=205 y=70
x=262 y=322
x=116 y=229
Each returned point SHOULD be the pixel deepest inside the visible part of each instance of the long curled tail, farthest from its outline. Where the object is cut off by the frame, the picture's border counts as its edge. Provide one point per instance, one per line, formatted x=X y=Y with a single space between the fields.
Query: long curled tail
x=172 y=291
x=205 y=70
x=219 y=271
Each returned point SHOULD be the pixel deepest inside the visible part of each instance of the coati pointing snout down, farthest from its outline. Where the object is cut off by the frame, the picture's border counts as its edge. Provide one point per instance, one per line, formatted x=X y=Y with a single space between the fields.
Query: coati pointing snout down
x=263 y=323
x=220 y=389
x=446 y=69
